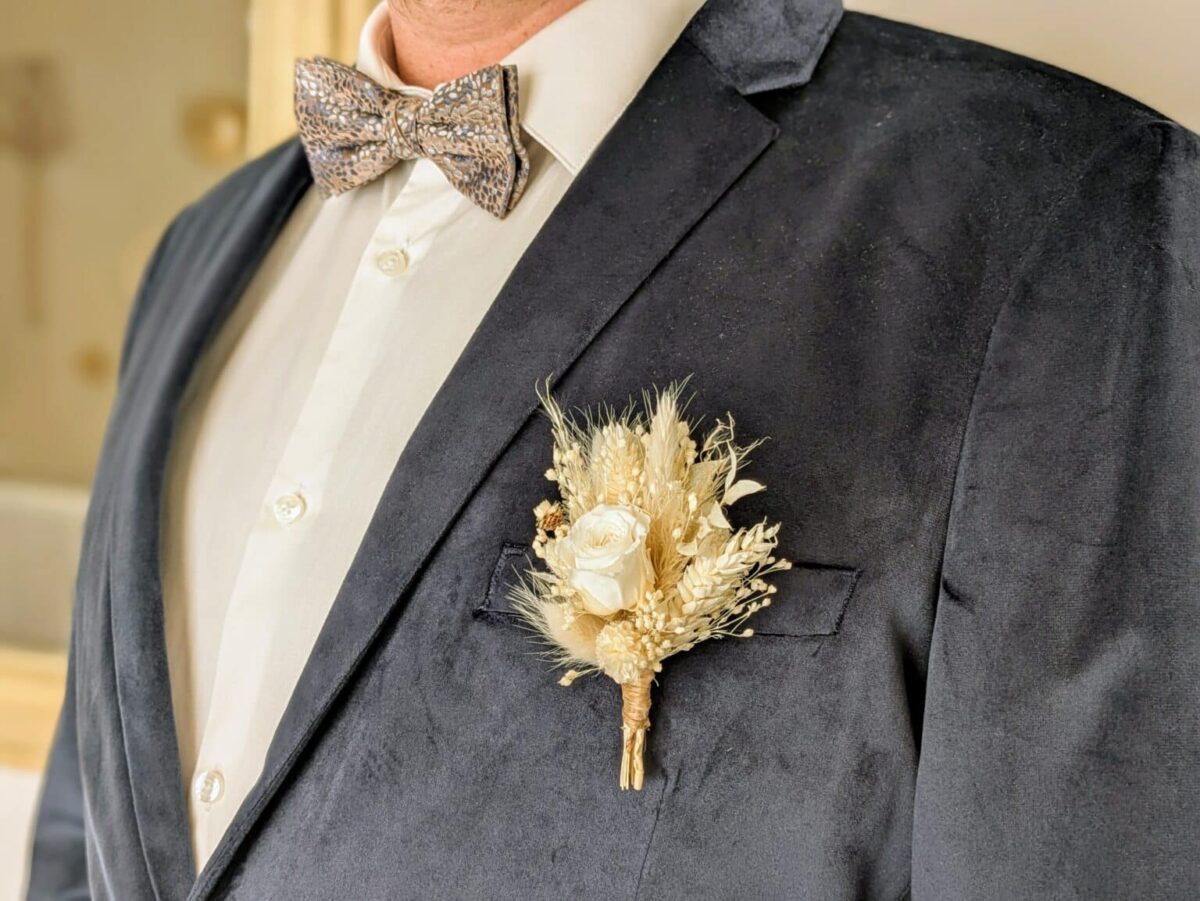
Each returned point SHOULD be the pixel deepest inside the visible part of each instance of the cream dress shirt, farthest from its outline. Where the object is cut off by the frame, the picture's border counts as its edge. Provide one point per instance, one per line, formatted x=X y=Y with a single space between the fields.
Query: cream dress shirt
x=297 y=413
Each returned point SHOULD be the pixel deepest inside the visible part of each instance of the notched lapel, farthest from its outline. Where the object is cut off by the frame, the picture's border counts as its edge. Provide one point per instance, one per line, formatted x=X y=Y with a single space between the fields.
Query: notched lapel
x=681 y=144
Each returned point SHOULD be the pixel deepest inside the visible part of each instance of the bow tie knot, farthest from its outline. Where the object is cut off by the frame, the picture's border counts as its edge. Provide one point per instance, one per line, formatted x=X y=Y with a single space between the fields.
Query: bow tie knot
x=401 y=122
x=354 y=130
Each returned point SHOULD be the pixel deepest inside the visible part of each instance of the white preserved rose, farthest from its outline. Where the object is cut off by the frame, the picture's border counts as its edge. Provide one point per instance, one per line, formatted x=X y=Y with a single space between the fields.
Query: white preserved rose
x=605 y=552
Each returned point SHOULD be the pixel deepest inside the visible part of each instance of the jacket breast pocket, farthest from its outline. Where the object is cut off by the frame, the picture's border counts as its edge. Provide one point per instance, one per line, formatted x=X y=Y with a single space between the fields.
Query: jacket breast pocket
x=810 y=601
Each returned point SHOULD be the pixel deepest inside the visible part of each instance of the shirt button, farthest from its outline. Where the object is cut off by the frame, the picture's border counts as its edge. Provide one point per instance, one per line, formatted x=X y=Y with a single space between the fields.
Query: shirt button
x=288 y=508
x=392 y=262
x=208 y=787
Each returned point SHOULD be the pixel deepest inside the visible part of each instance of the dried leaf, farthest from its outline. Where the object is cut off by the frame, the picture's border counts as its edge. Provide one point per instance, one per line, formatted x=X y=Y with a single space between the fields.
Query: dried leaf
x=716 y=518
x=740 y=489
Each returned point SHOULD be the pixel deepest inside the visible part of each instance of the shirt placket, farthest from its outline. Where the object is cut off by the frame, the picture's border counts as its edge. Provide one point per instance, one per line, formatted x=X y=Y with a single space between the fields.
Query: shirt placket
x=267 y=610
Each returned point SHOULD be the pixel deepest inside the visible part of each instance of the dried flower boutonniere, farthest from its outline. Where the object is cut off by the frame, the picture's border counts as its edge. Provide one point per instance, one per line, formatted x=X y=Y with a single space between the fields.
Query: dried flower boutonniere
x=641 y=561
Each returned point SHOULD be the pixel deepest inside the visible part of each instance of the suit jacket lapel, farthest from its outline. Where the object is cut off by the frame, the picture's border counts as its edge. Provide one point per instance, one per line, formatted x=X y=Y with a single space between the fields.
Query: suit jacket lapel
x=682 y=143
x=214 y=263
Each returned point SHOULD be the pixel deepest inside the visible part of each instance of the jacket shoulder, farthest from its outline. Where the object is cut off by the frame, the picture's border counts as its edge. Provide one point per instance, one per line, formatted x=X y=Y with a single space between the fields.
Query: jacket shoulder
x=954 y=101
x=227 y=199
x=958 y=70
x=978 y=139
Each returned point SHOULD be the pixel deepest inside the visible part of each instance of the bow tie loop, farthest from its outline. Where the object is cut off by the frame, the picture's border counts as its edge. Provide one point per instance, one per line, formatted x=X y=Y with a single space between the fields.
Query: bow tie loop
x=354 y=130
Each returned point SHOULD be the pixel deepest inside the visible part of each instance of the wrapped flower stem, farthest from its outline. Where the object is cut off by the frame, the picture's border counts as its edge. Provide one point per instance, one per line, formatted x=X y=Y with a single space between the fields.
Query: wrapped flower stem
x=635 y=723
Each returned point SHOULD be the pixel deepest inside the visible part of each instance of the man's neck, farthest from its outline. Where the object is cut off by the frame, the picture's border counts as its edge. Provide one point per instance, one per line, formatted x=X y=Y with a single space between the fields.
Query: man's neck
x=437 y=40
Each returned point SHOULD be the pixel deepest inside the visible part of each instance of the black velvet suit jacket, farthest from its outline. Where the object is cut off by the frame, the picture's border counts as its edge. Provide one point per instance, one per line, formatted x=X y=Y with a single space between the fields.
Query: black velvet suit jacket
x=959 y=290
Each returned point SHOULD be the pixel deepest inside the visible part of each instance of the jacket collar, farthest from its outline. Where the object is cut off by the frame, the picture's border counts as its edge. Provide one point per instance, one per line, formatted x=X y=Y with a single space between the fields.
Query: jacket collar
x=765 y=45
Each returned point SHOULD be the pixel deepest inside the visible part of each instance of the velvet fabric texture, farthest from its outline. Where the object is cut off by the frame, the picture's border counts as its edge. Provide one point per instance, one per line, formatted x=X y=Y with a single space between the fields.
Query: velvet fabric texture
x=959 y=290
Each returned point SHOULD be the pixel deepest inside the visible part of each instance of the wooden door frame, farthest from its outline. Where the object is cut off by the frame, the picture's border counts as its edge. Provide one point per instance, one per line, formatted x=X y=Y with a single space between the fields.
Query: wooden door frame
x=280 y=31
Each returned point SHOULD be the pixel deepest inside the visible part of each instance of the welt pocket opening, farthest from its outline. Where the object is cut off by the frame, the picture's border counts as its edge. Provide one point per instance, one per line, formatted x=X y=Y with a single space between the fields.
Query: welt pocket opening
x=496 y=606
x=810 y=601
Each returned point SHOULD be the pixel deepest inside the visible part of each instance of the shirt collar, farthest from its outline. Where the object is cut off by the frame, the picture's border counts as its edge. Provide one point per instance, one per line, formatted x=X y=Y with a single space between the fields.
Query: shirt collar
x=576 y=75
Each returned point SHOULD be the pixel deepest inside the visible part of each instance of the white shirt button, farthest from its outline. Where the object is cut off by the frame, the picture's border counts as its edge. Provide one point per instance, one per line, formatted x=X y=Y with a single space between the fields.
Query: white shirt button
x=208 y=787
x=288 y=508
x=392 y=262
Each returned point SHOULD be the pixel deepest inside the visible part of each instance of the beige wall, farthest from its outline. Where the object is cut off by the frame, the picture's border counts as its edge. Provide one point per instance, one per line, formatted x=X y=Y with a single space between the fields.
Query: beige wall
x=1149 y=49
x=128 y=70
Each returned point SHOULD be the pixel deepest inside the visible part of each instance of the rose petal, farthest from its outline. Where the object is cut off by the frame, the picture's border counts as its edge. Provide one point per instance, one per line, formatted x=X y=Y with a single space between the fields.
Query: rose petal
x=601 y=594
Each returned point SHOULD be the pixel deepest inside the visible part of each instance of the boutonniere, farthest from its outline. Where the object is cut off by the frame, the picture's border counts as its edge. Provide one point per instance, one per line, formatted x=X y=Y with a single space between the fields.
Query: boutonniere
x=641 y=562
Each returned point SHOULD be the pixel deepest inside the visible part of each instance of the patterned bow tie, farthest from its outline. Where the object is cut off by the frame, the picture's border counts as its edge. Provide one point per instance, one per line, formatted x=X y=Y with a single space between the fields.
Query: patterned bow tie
x=354 y=130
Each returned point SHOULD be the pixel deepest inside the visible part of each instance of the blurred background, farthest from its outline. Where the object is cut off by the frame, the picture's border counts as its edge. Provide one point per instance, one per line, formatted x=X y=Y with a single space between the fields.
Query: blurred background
x=114 y=115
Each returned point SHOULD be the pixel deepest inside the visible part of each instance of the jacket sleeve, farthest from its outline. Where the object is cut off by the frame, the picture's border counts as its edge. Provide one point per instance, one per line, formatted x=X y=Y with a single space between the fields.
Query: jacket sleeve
x=58 y=870
x=1060 y=749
